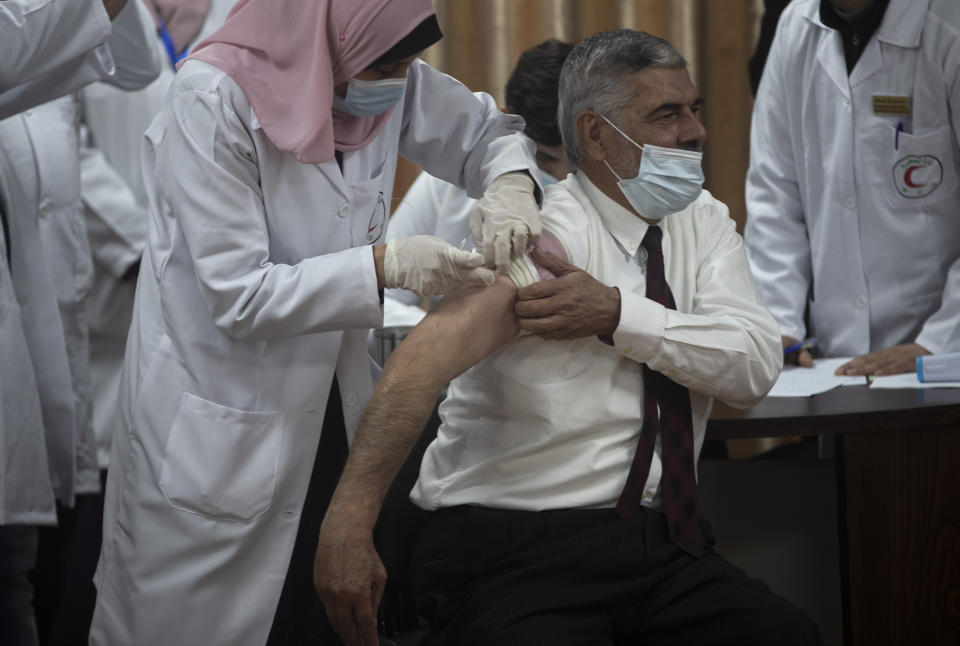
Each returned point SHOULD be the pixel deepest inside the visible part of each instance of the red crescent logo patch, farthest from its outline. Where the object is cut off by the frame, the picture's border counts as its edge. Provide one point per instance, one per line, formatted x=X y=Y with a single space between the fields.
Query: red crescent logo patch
x=917 y=175
x=908 y=177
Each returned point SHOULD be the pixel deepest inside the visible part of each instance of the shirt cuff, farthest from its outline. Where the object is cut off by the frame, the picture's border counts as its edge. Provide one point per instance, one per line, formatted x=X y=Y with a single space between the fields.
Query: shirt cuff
x=642 y=323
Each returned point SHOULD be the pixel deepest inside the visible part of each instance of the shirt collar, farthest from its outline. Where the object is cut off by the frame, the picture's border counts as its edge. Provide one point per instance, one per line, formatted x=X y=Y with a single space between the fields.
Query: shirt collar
x=864 y=23
x=626 y=228
x=901 y=26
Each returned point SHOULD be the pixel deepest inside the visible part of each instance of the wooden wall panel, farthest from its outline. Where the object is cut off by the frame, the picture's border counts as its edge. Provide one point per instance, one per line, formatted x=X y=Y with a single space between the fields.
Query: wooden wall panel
x=726 y=31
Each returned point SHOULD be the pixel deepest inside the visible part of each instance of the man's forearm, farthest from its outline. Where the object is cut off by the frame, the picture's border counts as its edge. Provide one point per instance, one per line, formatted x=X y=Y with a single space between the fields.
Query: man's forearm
x=399 y=409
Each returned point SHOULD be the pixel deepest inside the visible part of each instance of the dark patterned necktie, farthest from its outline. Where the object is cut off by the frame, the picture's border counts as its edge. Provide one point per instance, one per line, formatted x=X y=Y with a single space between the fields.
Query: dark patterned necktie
x=675 y=425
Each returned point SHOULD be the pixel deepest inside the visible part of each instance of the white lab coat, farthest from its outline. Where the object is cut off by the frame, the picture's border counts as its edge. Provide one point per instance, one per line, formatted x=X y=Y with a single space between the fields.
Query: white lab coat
x=39 y=36
x=50 y=271
x=824 y=213
x=257 y=286
x=49 y=48
x=43 y=143
x=26 y=492
x=116 y=218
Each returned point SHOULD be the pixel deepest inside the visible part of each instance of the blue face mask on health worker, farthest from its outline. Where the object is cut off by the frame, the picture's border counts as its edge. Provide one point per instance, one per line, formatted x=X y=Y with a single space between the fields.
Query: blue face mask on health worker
x=370 y=98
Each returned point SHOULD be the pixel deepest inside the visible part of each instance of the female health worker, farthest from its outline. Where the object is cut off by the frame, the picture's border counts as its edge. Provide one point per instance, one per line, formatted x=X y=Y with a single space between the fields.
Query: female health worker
x=268 y=175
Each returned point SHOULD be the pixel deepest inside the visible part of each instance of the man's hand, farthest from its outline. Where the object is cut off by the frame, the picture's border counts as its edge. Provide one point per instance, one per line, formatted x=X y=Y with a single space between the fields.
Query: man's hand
x=799 y=358
x=505 y=220
x=349 y=578
x=891 y=361
x=572 y=305
x=114 y=7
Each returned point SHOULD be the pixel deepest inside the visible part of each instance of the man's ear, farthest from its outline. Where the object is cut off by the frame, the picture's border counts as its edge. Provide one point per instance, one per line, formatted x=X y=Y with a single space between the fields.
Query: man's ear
x=588 y=130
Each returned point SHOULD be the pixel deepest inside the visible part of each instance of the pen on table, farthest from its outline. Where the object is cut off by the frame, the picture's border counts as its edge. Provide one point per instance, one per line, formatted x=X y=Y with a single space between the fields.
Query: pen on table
x=800 y=346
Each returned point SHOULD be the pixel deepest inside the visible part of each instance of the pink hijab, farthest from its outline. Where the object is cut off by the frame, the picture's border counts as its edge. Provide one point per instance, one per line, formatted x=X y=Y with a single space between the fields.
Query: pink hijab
x=183 y=18
x=287 y=56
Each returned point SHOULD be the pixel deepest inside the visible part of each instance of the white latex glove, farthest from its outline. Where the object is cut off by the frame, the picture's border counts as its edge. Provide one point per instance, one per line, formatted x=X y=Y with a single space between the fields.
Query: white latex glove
x=427 y=265
x=505 y=220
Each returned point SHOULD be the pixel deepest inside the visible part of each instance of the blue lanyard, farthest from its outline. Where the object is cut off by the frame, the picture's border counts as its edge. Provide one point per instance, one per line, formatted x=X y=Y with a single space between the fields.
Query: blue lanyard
x=169 y=46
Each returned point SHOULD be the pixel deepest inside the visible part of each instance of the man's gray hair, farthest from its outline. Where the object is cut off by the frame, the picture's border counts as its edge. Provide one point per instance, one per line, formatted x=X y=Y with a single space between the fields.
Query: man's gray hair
x=595 y=73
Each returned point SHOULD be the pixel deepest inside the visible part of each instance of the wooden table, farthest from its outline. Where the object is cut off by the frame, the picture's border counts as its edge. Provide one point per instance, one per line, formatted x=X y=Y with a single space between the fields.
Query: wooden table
x=898 y=476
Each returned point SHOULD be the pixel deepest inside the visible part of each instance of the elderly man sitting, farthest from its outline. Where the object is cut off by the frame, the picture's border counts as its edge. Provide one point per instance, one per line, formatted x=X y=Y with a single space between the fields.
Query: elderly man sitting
x=562 y=480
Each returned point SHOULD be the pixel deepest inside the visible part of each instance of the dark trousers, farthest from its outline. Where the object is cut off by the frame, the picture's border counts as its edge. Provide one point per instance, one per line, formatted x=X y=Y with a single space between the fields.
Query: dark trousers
x=300 y=618
x=578 y=577
x=63 y=579
x=18 y=554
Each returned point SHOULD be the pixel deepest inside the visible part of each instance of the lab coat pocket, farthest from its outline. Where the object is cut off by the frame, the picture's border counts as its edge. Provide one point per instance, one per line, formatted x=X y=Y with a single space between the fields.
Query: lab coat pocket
x=923 y=170
x=221 y=462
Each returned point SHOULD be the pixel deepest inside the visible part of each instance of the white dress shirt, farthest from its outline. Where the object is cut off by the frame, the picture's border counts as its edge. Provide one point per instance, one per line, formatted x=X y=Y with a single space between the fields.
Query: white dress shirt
x=554 y=424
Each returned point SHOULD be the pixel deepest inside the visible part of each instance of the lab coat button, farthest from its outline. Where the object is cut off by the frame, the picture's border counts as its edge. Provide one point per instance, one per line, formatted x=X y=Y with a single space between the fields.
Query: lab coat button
x=628 y=350
x=849 y=203
x=351 y=400
x=343 y=211
x=861 y=302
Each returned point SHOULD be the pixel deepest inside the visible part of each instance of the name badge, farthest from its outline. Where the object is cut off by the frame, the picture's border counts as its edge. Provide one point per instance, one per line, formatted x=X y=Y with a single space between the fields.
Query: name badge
x=891 y=104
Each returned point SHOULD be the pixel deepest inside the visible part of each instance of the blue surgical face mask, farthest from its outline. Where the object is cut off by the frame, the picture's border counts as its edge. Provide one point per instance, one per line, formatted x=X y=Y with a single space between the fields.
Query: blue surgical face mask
x=370 y=98
x=668 y=180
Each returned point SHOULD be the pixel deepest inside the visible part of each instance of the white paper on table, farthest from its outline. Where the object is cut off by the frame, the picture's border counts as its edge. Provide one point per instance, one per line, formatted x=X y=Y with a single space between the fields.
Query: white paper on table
x=795 y=381
x=909 y=380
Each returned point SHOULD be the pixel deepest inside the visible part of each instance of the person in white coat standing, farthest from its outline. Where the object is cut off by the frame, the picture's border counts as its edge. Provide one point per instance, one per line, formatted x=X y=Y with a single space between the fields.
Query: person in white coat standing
x=48 y=48
x=853 y=192
x=268 y=174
